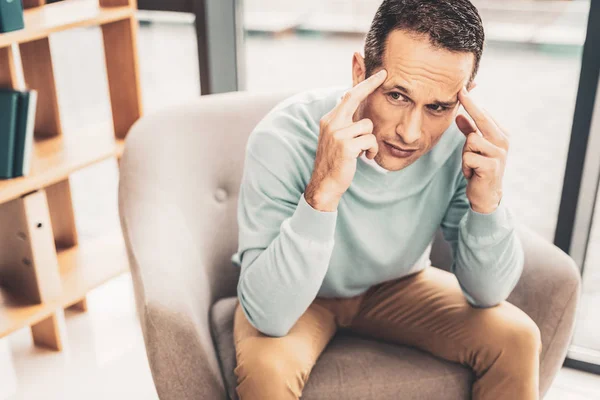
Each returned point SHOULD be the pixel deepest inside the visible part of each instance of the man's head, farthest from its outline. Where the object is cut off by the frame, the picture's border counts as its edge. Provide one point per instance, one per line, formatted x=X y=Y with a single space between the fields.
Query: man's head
x=430 y=50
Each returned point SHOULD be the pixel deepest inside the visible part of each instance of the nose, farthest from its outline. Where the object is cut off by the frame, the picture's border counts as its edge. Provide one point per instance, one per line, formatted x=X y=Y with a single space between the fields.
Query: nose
x=410 y=128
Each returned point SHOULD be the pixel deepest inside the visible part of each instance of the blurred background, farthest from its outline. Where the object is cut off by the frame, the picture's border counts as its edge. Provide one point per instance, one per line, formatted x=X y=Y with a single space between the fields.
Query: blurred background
x=529 y=80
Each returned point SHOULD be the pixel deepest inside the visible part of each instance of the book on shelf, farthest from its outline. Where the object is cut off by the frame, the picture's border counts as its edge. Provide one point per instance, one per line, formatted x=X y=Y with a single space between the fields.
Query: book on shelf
x=11 y=15
x=24 y=135
x=17 y=122
x=9 y=104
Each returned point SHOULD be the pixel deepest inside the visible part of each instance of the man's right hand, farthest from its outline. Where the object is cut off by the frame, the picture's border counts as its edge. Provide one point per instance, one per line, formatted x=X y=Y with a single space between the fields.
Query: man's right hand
x=341 y=142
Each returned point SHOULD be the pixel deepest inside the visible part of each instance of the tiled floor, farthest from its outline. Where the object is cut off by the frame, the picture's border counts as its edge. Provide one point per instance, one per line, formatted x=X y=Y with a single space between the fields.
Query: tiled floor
x=532 y=90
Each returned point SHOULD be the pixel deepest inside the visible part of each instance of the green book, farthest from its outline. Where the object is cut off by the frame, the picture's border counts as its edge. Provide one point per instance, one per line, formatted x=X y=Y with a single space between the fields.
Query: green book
x=24 y=132
x=9 y=104
x=11 y=15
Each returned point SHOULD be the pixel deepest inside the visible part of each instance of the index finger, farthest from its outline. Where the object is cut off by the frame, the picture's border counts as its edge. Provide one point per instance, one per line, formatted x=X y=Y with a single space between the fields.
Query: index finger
x=360 y=92
x=485 y=124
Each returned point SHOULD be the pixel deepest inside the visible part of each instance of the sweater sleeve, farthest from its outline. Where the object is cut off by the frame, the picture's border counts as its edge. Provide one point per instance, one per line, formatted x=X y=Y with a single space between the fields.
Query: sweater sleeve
x=488 y=256
x=284 y=245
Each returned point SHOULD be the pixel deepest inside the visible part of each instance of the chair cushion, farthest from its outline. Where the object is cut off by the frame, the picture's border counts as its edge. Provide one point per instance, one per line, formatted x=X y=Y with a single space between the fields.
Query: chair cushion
x=353 y=367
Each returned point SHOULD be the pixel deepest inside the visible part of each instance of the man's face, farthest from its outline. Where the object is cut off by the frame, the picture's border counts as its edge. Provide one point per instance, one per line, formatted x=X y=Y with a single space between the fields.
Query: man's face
x=418 y=100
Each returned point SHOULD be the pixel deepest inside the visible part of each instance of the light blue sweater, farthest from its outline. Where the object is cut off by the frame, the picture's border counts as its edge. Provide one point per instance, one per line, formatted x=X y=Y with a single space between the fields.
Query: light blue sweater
x=383 y=227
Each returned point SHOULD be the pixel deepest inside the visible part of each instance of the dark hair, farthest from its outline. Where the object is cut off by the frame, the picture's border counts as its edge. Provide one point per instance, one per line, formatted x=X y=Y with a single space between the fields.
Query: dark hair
x=453 y=25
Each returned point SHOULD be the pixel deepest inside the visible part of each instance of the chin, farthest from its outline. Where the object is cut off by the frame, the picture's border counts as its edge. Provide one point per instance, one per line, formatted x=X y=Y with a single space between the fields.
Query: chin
x=394 y=163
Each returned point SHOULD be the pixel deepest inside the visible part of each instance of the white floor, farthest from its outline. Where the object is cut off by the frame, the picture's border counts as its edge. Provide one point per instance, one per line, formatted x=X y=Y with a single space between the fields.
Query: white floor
x=104 y=355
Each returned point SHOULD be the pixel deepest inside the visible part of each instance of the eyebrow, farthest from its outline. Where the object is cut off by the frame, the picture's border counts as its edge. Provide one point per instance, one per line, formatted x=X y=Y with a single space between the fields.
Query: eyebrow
x=447 y=104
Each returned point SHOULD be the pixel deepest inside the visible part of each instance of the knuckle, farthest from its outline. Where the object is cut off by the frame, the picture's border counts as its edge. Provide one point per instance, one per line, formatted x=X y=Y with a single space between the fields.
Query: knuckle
x=324 y=122
x=347 y=96
x=503 y=154
x=497 y=164
x=347 y=150
x=337 y=135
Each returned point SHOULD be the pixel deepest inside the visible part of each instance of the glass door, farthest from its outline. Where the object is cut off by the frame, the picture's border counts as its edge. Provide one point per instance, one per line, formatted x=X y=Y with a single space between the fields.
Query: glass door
x=578 y=227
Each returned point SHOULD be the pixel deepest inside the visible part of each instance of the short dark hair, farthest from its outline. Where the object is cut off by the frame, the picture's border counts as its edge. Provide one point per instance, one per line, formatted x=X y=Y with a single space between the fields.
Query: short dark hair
x=453 y=25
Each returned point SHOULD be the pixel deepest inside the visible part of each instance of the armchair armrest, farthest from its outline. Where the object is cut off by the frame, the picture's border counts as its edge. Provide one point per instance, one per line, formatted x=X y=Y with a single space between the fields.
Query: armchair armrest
x=172 y=292
x=548 y=292
x=179 y=182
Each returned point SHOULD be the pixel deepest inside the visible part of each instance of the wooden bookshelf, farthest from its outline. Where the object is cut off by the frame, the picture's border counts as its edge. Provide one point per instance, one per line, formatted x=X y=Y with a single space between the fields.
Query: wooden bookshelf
x=82 y=268
x=41 y=22
x=55 y=158
x=44 y=266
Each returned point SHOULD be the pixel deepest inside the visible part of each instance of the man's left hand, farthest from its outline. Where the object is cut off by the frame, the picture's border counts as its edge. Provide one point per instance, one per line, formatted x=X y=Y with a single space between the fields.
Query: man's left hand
x=484 y=155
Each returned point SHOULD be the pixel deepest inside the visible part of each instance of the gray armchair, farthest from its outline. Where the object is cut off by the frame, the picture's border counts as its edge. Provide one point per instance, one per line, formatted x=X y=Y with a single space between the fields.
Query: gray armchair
x=180 y=175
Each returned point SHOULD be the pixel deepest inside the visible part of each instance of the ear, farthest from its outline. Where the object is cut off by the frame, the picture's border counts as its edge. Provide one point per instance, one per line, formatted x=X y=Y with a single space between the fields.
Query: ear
x=358 y=69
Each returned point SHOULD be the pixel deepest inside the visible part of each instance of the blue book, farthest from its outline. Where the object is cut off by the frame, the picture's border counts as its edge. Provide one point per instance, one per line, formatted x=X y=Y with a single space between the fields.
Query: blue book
x=9 y=104
x=11 y=15
x=24 y=133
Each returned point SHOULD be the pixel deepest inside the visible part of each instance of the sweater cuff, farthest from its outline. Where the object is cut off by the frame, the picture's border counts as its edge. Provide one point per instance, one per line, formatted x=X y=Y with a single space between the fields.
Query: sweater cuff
x=313 y=224
x=483 y=225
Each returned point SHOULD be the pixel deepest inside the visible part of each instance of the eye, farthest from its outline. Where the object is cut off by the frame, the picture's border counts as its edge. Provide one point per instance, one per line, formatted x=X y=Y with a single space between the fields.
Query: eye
x=437 y=108
x=396 y=96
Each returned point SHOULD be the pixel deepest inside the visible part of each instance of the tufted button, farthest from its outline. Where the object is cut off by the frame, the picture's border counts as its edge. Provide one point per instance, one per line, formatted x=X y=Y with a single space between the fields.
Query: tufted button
x=221 y=195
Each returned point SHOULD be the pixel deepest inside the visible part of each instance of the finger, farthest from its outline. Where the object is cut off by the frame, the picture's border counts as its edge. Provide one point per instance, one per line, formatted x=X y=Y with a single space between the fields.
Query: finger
x=476 y=164
x=502 y=129
x=366 y=143
x=353 y=97
x=480 y=145
x=362 y=127
x=465 y=125
x=485 y=124
x=468 y=172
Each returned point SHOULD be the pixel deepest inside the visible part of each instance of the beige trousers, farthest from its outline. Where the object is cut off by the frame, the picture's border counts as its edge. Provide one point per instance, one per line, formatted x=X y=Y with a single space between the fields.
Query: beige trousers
x=427 y=310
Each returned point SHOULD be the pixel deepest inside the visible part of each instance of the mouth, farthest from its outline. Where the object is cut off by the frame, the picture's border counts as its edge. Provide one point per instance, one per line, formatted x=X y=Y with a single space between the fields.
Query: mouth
x=399 y=151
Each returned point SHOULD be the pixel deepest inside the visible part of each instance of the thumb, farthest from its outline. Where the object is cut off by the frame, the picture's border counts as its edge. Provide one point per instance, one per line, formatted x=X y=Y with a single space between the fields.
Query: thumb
x=465 y=125
x=467 y=171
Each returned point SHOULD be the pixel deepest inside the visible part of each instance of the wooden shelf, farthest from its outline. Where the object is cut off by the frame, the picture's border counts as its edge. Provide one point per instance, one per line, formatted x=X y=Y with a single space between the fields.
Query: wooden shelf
x=40 y=22
x=82 y=267
x=56 y=157
x=120 y=147
x=42 y=233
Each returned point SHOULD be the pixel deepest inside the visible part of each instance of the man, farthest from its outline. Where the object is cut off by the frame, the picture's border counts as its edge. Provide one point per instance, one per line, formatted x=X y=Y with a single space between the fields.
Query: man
x=342 y=193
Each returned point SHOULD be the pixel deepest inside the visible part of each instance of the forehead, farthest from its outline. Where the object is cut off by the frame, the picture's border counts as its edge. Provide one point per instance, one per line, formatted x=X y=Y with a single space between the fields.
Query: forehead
x=411 y=61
